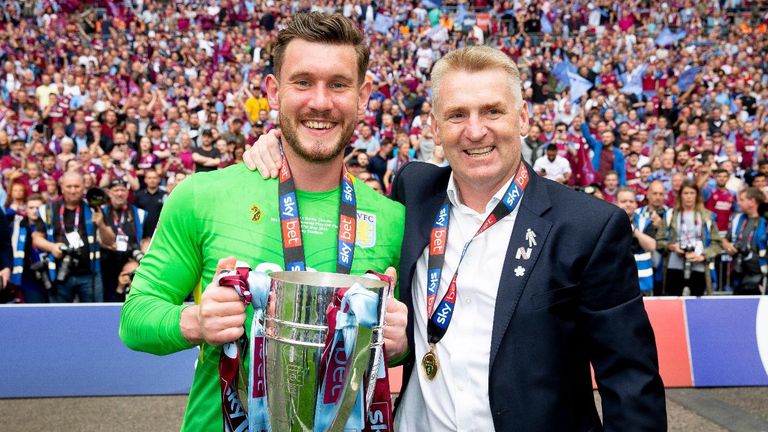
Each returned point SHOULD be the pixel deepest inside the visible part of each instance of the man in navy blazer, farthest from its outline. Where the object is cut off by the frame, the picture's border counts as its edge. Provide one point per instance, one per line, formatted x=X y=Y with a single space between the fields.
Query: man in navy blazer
x=566 y=300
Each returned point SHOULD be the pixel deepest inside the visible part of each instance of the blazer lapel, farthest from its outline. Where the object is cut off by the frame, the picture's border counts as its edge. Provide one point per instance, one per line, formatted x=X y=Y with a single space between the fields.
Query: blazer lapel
x=528 y=238
x=419 y=218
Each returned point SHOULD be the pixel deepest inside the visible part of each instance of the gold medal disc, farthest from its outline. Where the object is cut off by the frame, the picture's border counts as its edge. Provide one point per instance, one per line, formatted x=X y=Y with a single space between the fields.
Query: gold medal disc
x=429 y=364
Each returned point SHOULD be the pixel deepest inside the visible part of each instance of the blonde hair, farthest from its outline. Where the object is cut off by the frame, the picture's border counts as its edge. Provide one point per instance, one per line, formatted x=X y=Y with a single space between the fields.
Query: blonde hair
x=477 y=59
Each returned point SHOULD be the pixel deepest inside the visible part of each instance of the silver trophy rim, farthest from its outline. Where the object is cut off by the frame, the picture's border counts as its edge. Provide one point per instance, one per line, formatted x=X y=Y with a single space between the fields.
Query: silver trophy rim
x=327 y=279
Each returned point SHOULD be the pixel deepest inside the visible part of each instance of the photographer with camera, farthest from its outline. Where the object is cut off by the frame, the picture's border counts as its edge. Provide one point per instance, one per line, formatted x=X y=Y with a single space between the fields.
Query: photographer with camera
x=67 y=229
x=746 y=243
x=689 y=238
x=30 y=267
x=126 y=224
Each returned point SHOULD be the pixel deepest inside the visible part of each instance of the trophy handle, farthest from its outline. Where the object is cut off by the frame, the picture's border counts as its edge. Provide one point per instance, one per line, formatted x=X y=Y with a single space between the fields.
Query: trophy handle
x=356 y=367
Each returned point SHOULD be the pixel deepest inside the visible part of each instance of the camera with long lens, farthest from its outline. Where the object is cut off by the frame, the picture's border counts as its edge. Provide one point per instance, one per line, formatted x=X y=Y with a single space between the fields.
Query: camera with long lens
x=742 y=251
x=69 y=261
x=687 y=265
x=40 y=272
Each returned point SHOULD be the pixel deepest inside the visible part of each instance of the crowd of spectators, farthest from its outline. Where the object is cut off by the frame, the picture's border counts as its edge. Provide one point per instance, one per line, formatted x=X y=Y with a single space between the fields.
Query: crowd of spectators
x=132 y=96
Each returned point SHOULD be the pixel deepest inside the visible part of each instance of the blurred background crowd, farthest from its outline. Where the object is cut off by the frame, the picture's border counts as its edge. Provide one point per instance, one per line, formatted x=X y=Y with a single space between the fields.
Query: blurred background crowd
x=106 y=105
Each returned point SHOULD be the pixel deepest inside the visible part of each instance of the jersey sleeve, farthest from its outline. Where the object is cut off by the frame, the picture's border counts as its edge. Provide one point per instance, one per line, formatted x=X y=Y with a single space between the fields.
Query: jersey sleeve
x=167 y=275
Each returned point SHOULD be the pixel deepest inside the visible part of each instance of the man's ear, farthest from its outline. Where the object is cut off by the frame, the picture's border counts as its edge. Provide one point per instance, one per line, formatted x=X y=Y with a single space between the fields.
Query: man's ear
x=273 y=94
x=435 y=128
x=363 y=94
x=524 y=125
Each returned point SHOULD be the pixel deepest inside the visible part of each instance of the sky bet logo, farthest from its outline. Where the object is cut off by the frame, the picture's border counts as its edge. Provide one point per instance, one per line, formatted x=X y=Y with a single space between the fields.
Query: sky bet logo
x=442 y=217
x=291 y=233
x=511 y=197
x=347 y=192
x=437 y=242
x=445 y=311
x=285 y=172
x=346 y=231
x=288 y=206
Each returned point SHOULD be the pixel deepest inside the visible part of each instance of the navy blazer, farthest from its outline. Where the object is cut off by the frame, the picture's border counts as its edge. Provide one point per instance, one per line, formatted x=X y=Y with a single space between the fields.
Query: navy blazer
x=577 y=303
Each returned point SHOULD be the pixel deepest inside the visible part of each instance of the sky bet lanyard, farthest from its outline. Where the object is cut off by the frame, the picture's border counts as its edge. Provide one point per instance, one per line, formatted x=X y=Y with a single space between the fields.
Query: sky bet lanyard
x=441 y=318
x=293 y=246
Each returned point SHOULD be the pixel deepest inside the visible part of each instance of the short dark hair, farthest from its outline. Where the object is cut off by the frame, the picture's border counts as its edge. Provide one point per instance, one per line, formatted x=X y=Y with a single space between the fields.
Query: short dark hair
x=322 y=28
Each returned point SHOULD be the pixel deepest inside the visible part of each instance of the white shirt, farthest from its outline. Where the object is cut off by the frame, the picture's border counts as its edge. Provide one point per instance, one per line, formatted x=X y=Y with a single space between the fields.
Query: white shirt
x=554 y=170
x=458 y=396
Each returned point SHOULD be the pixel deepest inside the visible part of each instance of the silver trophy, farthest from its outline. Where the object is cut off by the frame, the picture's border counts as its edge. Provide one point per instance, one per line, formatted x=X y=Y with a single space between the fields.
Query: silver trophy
x=296 y=328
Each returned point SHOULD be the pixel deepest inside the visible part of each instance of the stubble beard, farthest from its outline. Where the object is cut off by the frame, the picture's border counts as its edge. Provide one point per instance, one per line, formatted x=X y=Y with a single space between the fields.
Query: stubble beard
x=314 y=151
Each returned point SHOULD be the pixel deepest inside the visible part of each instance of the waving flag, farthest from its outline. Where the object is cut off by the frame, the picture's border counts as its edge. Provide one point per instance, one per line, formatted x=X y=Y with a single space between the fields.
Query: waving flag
x=666 y=37
x=686 y=78
x=579 y=86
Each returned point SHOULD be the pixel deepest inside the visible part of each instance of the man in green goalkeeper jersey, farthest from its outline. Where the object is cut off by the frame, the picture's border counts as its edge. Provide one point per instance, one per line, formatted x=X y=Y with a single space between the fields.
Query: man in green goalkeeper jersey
x=213 y=219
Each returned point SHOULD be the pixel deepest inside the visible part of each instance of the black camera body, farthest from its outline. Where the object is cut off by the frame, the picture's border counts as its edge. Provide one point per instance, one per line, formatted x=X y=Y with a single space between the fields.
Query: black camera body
x=742 y=251
x=40 y=271
x=69 y=261
x=687 y=265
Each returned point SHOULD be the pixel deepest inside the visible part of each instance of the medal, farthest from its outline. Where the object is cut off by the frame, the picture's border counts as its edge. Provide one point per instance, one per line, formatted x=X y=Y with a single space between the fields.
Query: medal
x=430 y=364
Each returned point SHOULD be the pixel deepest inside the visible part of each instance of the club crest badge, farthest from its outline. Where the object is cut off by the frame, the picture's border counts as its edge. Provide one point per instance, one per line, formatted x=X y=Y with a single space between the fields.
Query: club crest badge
x=366 y=230
x=255 y=213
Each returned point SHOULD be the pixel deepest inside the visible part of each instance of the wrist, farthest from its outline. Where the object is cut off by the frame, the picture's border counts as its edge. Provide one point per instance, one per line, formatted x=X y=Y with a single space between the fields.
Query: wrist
x=189 y=325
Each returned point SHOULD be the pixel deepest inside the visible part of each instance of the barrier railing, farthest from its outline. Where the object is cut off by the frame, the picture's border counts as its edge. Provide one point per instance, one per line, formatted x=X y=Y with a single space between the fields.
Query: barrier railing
x=74 y=350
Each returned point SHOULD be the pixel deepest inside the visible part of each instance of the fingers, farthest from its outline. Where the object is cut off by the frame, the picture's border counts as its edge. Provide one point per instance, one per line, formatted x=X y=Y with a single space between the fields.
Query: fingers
x=392 y=273
x=221 y=313
x=227 y=263
x=269 y=153
x=396 y=319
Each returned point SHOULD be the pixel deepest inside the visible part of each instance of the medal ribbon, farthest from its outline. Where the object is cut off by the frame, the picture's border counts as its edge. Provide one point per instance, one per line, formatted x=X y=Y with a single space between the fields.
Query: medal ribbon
x=440 y=319
x=253 y=288
x=293 y=246
x=352 y=308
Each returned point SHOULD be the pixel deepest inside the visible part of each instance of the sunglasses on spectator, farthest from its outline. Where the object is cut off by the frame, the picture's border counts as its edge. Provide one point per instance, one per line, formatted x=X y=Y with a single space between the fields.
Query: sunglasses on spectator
x=560 y=130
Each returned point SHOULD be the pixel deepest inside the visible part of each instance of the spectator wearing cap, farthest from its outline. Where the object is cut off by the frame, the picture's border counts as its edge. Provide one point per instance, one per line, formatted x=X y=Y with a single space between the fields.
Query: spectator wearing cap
x=553 y=166
x=126 y=225
x=206 y=157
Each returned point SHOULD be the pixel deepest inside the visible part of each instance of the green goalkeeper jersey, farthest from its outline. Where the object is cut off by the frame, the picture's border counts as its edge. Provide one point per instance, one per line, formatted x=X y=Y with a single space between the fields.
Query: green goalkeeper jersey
x=234 y=212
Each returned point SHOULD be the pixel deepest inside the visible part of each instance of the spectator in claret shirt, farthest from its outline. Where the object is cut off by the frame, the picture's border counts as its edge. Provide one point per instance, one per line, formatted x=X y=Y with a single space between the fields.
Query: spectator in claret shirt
x=721 y=201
